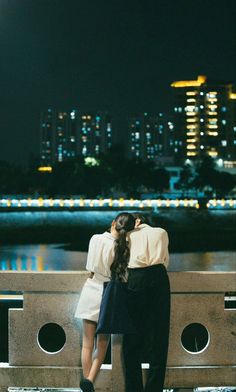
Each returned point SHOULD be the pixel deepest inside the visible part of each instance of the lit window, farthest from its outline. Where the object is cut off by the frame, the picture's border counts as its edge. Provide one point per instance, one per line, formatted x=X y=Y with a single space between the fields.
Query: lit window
x=201 y=107
x=202 y=147
x=201 y=120
x=201 y=93
x=224 y=143
x=223 y=109
x=201 y=133
x=223 y=122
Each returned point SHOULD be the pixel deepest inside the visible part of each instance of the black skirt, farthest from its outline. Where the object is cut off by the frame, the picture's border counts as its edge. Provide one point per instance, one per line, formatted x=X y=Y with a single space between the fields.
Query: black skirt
x=114 y=317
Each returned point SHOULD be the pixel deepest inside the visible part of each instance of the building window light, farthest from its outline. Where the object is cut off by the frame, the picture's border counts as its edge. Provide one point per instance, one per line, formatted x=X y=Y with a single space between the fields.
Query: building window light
x=224 y=109
x=202 y=147
x=212 y=113
x=212 y=106
x=189 y=108
x=201 y=120
x=191 y=147
x=201 y=133
x=189 y=93
x=201 y=107
x=223 y=122
x=191 y=120
x=201 y=93
x=224 y=143
x=213 y=154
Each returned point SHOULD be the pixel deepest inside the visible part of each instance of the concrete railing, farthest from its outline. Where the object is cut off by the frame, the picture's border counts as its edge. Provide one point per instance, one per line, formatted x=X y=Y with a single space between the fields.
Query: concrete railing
x=202 y=337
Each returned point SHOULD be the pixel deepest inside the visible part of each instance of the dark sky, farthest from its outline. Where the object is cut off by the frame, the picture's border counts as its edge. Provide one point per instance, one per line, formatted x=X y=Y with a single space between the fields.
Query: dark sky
x=115 y=55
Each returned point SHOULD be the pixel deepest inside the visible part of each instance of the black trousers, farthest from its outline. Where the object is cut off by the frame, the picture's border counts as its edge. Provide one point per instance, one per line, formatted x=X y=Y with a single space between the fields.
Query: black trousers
x=149 y=307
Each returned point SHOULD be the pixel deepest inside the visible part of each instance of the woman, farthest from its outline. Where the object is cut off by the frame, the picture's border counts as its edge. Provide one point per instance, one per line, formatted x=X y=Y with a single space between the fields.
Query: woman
x=108 y=255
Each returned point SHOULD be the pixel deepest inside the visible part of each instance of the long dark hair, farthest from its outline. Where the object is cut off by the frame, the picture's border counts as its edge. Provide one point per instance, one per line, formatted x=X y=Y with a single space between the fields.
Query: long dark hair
x=124 y=222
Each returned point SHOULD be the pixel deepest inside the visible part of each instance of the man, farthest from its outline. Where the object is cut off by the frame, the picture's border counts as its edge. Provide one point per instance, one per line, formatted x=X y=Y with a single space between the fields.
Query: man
x=149 y=306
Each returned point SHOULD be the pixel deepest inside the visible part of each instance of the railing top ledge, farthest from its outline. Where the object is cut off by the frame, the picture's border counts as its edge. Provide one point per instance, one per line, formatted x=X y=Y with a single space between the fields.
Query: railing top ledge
x=72 y=281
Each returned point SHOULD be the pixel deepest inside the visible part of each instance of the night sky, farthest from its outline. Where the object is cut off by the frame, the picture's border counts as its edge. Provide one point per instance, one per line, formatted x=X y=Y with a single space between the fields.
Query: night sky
x=114 y=55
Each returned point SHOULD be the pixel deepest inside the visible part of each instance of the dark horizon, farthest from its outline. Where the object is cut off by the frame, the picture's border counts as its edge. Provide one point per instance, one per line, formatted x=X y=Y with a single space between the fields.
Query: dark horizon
x=117 y=57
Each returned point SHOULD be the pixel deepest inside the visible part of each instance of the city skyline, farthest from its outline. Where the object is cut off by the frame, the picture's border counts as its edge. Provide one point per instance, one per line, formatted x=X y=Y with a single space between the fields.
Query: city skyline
x=120 y=58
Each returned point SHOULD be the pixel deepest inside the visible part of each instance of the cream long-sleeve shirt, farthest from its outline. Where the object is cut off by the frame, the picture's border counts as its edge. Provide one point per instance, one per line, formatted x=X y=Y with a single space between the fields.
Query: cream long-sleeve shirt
x=148 y=246
x=101 y=254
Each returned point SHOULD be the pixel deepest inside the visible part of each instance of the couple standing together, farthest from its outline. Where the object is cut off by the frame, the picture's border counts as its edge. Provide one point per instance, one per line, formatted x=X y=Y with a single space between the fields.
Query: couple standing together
x=135 y=252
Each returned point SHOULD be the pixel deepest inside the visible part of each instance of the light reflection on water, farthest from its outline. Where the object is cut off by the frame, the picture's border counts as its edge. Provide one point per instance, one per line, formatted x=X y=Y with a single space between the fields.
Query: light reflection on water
x=54 y=257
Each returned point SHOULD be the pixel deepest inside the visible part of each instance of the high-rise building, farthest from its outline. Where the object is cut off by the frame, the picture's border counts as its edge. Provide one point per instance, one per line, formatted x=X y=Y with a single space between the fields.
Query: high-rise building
x=204 y=119
x=47 y=138
x=148 y=136
x=65 y=135
x=95 y=134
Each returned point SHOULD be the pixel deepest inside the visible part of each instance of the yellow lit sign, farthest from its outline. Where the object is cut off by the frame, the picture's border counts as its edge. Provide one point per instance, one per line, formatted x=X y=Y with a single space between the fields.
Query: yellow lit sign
x=45 y=169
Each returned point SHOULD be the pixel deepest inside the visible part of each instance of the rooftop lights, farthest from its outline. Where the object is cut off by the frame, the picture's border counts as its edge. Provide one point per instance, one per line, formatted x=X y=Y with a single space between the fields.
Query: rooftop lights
x=190 y=83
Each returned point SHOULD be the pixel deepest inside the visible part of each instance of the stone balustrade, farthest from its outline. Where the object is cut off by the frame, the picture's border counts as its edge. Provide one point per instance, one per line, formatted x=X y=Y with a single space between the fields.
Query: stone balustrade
x=202 y=336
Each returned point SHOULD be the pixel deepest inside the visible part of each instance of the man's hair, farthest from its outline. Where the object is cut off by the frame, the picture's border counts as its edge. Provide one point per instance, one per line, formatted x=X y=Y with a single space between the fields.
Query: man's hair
x=141 y=217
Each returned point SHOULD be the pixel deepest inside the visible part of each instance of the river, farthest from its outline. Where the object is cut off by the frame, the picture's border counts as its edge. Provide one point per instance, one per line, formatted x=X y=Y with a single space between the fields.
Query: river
x=60 y=257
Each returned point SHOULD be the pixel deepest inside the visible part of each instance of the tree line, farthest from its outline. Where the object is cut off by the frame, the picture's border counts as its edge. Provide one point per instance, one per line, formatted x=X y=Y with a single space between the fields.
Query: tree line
x=110 y=174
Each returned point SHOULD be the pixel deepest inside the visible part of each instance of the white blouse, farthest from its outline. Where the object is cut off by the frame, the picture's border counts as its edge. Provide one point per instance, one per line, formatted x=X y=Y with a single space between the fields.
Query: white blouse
x=148 y=246
x=101 y=254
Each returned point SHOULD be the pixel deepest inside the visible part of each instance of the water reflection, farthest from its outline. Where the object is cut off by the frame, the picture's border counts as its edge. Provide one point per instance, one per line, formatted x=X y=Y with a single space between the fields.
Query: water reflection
x=56 y=257
x=41 y=257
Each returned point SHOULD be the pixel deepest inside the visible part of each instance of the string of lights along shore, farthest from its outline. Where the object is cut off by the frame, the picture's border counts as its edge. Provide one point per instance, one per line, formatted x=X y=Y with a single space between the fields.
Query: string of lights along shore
x=203 y=122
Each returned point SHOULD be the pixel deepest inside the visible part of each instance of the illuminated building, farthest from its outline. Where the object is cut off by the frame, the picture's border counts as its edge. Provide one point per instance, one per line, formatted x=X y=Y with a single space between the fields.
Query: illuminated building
x=65 y=135
x=148 y=137
x=204 y=118
x=61 y=129
x=47 y=138
x=95 y=134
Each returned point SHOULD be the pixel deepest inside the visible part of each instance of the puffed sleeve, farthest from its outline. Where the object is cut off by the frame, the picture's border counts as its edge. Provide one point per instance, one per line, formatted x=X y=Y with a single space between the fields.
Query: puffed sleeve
x=91 y=254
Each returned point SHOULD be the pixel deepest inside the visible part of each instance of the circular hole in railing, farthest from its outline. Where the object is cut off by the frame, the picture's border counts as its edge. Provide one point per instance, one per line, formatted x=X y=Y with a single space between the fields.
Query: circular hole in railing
x=195 y=338
x=51 y=338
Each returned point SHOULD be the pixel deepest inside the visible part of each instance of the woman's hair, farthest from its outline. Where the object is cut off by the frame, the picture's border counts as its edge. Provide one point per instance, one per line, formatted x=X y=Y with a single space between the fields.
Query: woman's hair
x=143 y=218
x=124 y=222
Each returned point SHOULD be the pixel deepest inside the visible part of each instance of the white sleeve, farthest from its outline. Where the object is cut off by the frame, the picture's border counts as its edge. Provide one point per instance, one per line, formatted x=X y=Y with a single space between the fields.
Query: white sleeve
x=166 y=243
x=91 y=254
